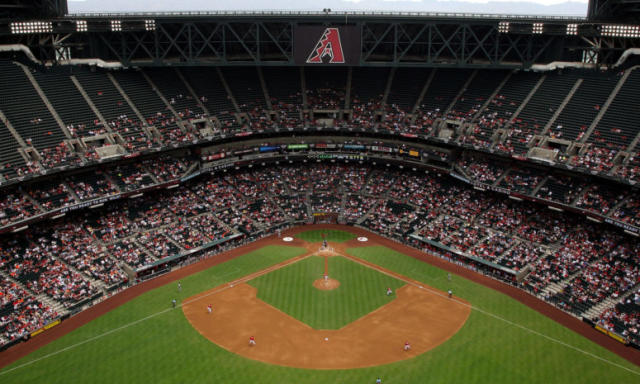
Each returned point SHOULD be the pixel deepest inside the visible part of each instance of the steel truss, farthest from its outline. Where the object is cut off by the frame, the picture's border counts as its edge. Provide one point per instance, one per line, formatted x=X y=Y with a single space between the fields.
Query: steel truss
x=428 y=42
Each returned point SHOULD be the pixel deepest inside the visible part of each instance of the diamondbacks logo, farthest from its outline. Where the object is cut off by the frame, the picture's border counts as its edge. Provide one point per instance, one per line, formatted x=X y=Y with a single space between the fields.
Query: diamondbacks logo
x=328 y=45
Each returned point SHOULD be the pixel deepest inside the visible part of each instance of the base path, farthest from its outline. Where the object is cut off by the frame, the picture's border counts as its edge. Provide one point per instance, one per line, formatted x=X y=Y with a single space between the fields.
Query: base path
x=415 y=315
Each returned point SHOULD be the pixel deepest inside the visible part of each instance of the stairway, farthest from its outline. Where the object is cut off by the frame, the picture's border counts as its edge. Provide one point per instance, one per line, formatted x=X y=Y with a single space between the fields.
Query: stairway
x=43 y=298
x=347 y=96
x=265 y=91
x=526 y=101
x=609 y=302
x=491 y=97
x=192 y=92
x=387 y=89
x=560 y=108
x=91 y=104
x=606 y=105
x=45 y=100
x=364 y=217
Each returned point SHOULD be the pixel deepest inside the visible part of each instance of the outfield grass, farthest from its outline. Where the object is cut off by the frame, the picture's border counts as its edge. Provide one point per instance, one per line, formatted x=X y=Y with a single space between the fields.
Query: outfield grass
x=166 y=349
x=290 y=289
x=315 y=236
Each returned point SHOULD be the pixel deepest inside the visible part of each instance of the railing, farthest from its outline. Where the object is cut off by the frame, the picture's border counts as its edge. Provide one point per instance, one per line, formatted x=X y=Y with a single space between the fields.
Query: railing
x=276 y=13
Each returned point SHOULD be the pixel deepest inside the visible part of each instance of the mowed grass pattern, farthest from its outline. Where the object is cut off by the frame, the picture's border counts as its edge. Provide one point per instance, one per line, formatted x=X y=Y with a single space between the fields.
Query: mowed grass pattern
x=315 y=236
x=166 y=349
x=490 y=336
x=290 y=289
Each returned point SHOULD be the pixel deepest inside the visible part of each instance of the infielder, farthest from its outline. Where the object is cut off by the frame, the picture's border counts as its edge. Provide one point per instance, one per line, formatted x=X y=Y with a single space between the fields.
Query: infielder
x=407 y=346
x=252 y=341
x=209 y=308
x=450 y=293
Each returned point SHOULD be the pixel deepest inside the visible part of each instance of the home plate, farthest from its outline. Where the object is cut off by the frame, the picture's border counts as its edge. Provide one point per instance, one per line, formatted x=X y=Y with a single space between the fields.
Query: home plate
x=326 y=339
x=288 y=239
x=362 y=239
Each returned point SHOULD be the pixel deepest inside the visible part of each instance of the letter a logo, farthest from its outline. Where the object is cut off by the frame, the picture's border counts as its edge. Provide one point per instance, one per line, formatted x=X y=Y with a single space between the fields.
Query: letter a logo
x=328 y=45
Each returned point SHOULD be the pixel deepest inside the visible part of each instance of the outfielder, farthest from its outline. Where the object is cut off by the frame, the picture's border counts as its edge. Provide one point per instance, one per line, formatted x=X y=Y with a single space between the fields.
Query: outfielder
x=389 y=291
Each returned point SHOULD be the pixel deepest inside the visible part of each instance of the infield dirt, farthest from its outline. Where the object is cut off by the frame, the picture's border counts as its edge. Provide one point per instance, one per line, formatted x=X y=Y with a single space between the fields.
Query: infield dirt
x=417 y=316
x=420 y=315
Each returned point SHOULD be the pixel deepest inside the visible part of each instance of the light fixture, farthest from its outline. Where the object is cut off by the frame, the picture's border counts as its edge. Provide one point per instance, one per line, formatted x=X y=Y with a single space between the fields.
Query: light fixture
x=81 y=26
x=116 y=25
x=572 y=29
x=613 y=30
x=503 y=27
x=537 y=28
x=150 y=25
x=25 y=27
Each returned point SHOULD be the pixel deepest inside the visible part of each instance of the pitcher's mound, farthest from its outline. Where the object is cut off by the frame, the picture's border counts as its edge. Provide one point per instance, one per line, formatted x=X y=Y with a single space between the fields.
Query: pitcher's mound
x=327 y=284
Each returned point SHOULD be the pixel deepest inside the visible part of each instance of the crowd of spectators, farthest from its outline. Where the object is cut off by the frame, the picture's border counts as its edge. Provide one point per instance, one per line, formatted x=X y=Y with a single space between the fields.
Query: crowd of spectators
x=363 y=114
x=72 y=258
x=20 y=312
x=629 y=210
x=624 y=318
x=480 y=169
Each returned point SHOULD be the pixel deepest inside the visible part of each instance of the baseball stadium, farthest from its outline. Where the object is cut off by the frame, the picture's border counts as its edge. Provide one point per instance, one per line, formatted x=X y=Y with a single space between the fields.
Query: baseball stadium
x=319 y=196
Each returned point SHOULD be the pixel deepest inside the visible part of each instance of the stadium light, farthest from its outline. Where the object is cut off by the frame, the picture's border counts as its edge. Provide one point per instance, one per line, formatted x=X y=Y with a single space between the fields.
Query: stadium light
x=25 y=27
x=150 y=25
x=613 y=30
x=81 y=26
x=572 y=29
x=503 y=27
x=537 y=28
x=116 y=25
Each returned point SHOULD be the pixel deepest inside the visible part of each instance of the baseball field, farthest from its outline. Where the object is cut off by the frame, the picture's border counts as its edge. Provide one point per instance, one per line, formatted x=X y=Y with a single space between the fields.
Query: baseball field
x=351 y=331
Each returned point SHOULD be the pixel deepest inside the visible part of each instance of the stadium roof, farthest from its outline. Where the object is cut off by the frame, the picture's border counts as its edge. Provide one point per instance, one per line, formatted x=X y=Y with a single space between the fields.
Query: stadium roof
x=368 y=14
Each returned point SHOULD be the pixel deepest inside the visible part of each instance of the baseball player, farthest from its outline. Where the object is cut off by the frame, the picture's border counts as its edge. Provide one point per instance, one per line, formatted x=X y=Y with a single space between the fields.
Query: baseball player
x=389 y=291
x=407 y=346
x=449 y=276
x=450 y=292
x=252 y=341
x=209 y=308
x=179 y=287
x=378 y=381
x=173 y=303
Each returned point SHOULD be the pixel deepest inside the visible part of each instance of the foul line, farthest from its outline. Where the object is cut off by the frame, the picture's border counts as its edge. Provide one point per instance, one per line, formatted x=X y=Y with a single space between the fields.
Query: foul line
x=228 y=285
x=295 y=260
x=438 y=293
